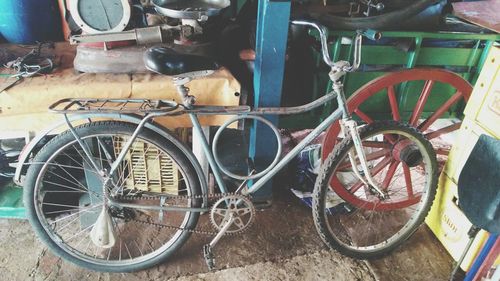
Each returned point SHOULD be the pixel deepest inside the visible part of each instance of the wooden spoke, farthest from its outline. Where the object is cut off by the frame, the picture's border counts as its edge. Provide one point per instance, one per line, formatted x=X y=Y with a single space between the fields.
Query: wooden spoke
x=394 y=103
x=363 y=116
x=369 y=157
x=390 y=174
x=442 y=131
x=422 y=100
x=379 y=167
x=438 y=113
x=409 y=187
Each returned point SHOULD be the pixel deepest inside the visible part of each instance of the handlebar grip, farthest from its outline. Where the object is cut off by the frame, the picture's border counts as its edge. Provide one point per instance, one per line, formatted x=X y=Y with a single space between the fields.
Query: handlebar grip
x=371 y=34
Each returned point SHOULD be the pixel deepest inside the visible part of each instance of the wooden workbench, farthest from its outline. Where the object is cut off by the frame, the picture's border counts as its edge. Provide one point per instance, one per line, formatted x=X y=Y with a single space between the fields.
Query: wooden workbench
x=24 y=106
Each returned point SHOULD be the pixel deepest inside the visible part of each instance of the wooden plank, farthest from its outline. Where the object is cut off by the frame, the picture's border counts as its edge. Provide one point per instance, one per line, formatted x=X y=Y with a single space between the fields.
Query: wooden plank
x=483 y=13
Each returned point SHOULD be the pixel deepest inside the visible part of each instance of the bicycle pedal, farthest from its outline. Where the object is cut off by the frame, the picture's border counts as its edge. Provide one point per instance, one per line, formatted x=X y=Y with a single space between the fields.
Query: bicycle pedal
x=209 y=257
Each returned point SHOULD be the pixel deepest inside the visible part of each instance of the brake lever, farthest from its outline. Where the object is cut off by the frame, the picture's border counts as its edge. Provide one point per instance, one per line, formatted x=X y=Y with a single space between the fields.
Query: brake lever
x=368 y=33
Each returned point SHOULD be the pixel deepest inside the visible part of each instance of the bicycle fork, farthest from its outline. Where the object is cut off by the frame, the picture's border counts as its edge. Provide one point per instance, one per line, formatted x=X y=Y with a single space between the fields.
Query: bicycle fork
x=349 y=127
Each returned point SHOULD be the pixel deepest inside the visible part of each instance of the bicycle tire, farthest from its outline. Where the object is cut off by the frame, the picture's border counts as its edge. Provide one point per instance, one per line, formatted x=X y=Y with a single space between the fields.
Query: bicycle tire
x=46 y=167
x=365 y=226
x=374 y=22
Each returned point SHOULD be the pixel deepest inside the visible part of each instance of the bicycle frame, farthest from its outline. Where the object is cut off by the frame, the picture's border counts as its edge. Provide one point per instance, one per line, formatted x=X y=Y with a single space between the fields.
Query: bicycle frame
x=335 y=116
x=214 y=110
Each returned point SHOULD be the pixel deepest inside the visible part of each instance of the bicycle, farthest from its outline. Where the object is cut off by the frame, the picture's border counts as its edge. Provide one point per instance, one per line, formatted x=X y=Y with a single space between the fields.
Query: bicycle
x=118 y=197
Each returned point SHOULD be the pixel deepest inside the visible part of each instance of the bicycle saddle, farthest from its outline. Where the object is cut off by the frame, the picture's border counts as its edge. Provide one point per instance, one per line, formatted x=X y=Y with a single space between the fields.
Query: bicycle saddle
x=168 y=62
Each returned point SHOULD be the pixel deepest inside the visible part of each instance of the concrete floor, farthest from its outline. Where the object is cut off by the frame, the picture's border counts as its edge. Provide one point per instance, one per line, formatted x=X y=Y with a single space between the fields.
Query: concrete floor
x=281 y=245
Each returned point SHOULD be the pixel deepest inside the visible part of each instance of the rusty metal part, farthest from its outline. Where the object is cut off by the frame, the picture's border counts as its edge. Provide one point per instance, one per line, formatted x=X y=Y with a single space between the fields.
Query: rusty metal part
x=180 y=197
x=239 y=206
x=143 y=36
x=168 y=107
x=190 y=9
x=113 y=106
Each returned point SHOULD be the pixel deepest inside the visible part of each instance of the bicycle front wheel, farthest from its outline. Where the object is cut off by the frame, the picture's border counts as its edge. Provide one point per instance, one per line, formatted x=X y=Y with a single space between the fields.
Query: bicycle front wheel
x=64 y=197
x=356 y=219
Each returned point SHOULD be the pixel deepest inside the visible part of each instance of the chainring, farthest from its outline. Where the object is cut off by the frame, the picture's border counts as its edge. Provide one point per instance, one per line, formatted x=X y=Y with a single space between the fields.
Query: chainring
x=239 y=206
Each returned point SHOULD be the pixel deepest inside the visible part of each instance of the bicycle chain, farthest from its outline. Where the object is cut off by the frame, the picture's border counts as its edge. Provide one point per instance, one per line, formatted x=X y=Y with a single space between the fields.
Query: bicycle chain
x=173 y=227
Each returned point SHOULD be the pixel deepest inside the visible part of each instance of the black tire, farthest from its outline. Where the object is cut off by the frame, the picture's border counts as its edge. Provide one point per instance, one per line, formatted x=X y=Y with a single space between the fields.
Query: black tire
x=374 y=22
x=47 y=165
x=356 y=221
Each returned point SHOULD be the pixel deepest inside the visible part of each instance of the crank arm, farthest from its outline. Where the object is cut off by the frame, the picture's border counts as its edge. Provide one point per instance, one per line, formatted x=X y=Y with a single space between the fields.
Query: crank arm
x=207 y=249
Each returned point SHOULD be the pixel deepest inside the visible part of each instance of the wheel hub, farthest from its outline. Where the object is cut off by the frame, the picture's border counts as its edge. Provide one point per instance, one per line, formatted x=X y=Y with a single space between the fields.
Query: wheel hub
x=407 y=152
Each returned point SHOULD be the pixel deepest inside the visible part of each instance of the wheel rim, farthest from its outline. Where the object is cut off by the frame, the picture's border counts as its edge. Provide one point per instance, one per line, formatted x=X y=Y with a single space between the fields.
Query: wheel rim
x=136 y=251
x=389 y=82
x=360 y=221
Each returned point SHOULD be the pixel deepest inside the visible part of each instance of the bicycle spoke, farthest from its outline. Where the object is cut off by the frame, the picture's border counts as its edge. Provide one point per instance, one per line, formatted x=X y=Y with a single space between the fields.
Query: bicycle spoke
x=67 y=180
x=84 y=157
x=65 y=186
x=63 y=178
x=80 y=232
x=77 y=213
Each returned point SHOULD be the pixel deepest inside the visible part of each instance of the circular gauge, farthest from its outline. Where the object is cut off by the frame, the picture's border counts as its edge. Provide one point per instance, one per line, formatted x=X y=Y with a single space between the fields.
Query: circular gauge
x=98 y=16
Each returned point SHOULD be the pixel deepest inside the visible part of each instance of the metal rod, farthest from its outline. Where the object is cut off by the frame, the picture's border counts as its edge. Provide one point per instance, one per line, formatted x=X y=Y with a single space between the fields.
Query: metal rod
x=208 y=153
x=222 y=231
x=199 y=110
x=294 y=109
x=323 y=35
x=156 y=208
x=83 y=146
x=295 y=151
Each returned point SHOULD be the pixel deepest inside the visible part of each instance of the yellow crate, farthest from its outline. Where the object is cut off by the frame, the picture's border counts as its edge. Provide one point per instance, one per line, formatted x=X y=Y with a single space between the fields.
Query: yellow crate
x=450 y=225
x=466 y=140
x=482 y=115
x=484 y=105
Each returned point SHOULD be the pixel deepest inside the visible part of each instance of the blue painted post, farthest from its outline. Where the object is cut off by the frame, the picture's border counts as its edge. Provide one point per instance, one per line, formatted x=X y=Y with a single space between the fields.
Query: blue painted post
x=271 y=40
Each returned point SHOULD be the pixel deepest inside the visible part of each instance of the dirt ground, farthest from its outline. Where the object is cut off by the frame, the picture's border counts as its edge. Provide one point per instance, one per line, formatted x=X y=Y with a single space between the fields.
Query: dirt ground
x=281 y=245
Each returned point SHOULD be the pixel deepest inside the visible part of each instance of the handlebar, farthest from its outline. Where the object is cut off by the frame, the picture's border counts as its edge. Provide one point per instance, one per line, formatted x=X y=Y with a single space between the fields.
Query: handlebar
x=323 y=35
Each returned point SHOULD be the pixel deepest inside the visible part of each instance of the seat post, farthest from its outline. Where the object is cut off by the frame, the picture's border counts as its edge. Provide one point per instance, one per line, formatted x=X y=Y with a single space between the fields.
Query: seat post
x=187 y=100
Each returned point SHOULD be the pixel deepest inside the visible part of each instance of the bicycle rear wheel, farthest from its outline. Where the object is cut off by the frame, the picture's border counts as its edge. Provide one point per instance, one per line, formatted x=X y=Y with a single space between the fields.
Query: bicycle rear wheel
x=354 y=219
x=64 y=196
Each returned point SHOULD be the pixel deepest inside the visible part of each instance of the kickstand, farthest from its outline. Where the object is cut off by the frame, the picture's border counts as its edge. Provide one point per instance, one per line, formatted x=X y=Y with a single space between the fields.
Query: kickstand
x=207 y=248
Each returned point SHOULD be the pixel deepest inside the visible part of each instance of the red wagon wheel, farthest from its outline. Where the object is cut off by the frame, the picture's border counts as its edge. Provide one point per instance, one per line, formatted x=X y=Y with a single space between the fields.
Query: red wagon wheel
x=387 y=85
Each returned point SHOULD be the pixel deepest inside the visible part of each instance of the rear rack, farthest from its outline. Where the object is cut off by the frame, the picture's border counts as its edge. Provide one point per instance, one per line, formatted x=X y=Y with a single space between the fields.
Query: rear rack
x=113 y=106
